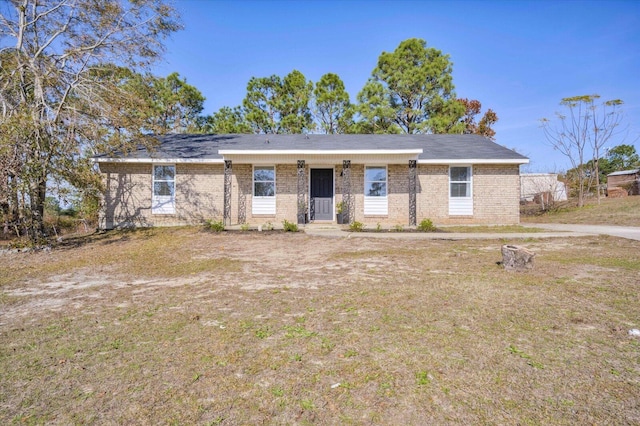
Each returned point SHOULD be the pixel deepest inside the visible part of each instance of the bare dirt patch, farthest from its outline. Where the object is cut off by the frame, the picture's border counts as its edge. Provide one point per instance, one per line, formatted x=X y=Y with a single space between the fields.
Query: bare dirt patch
x=181 y=326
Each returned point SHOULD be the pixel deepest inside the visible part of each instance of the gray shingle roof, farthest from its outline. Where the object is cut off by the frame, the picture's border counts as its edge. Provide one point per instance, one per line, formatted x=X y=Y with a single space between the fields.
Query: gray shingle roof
x=435 y=147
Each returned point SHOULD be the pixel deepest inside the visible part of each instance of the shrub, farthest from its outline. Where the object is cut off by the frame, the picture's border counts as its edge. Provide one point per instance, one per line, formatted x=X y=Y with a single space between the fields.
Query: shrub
x=214 y=225
x=398 y=228
x=356 y=226
x=244 y=227
x=60 y=223
x=426 y=226
x=289 y=226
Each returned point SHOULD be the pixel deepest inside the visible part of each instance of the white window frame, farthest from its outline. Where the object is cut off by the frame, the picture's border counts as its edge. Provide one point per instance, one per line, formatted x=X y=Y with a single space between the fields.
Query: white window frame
x=461 y=205
x=376 y=205
x=263 y=204
x=163 y=204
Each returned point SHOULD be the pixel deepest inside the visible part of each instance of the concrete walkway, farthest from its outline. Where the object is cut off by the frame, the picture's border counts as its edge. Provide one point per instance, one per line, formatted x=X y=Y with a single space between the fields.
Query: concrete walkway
x=555 y=230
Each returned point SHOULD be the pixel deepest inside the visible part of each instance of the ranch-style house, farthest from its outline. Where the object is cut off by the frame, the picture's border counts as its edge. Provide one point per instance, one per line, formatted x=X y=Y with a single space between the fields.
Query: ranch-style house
x=256 y=179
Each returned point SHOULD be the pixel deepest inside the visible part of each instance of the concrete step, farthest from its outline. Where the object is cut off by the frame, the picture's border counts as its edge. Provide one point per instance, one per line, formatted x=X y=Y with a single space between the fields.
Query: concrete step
x=321 y=226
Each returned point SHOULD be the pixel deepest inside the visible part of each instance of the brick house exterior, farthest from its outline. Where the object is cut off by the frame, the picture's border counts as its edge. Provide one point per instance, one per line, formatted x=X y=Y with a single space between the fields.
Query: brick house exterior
x=255 y=179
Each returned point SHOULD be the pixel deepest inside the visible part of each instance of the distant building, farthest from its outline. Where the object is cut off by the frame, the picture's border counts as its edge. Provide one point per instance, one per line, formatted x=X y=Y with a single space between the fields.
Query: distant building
x=627 y=180
x=541 y=186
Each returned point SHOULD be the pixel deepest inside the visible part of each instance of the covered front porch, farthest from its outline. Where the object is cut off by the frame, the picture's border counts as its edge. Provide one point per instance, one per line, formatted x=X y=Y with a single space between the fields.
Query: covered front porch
x=321 y=185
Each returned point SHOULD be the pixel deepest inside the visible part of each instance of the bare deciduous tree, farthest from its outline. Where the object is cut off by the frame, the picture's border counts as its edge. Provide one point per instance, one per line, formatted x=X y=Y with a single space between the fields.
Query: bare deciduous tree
x=586 y=126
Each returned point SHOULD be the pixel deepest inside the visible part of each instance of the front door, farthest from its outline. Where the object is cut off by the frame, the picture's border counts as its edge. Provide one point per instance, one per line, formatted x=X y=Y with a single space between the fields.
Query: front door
x=321 y=194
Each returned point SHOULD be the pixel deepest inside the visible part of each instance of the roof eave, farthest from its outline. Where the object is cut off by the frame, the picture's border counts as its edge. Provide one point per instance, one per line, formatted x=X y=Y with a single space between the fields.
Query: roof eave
x=160 y=160
x=343 y=152
x=474 y=161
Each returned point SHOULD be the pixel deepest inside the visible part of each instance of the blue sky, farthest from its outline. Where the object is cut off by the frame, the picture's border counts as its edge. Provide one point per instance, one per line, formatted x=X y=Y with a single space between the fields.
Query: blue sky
x=518 y=58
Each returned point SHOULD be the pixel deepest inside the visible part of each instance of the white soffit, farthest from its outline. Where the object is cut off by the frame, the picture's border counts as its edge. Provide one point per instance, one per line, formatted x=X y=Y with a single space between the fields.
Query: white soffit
x=321 y=156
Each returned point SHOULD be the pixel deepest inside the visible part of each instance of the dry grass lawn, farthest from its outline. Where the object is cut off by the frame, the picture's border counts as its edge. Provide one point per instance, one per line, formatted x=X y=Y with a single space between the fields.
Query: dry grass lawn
x=610 y=211
x=181 y=326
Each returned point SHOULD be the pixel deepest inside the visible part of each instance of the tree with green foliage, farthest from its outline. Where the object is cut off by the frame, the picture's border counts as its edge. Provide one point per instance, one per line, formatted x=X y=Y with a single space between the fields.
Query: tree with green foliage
x=622 y=157
x=296 y=94
x=54 y=98
x=160 y=104
x=279 y=105
x=415 y=83
x=618 y=158
x=586 y=128
x=333 y=109
x=375 y=111
x=176 y=104
x=226 y=121
x=261 y=104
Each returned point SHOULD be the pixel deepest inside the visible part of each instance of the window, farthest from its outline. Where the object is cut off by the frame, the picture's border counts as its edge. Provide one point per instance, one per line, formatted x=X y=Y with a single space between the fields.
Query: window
x=164 y=190
x=460 y=194
x=264 y=190
x=375 y=182
x=460 y=180
x=264 y=182
x=375 y=190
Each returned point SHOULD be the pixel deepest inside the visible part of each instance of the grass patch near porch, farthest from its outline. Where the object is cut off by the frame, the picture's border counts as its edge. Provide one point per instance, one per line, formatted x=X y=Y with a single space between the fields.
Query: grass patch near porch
x=180 y=326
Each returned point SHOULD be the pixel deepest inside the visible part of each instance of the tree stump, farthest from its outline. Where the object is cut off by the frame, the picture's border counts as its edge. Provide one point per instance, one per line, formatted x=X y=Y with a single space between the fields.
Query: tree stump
x=515 y=258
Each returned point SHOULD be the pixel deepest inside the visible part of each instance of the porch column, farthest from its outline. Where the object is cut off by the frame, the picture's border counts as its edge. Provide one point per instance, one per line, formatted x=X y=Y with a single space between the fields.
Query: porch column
x=412 y=193
x=302 y=189
x=346 y=191
x=227 y=192
x=242 y=202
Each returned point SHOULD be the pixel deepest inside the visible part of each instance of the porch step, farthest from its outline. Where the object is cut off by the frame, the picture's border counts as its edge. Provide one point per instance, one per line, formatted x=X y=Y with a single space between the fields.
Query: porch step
x=321 y=225
x=327 y=229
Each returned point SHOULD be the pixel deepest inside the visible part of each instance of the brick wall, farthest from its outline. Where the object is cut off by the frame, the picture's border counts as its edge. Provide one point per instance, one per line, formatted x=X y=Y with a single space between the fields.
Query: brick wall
x=127 y=198
x=200 y=195
x=397 y=196
x=432 y=200
x=496 y=195
x=286 y=195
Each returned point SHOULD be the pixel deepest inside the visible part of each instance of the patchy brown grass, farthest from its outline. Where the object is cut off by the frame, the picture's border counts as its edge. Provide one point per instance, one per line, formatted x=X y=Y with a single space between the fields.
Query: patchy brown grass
x=611 y=211
x=179 y=326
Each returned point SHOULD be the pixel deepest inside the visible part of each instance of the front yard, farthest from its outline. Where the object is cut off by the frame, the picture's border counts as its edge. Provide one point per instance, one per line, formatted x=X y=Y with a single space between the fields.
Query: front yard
x=181 y=326
x=611 y=211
